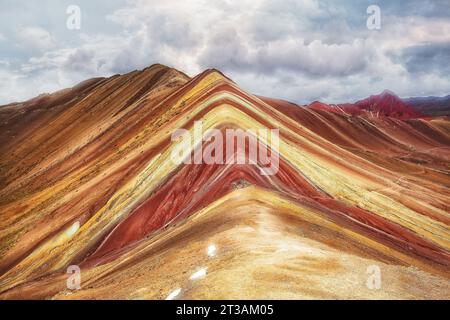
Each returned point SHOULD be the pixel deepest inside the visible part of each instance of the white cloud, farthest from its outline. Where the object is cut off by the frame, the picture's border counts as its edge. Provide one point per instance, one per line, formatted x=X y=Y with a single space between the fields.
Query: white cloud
x=17 y=86
x=35 y=38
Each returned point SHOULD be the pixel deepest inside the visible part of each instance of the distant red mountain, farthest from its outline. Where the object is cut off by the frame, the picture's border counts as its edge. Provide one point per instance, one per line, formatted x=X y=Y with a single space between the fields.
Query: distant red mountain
x=386 y=104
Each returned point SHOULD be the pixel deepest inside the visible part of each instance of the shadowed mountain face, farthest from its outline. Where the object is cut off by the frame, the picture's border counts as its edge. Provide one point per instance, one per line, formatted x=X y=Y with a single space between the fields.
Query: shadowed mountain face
x=433 y=106
x=87 y=179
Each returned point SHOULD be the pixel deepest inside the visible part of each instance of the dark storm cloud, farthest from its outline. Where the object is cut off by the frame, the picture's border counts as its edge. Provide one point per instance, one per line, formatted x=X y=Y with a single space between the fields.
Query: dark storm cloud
x=426 y=58
x=291 y=36
x=315 y=59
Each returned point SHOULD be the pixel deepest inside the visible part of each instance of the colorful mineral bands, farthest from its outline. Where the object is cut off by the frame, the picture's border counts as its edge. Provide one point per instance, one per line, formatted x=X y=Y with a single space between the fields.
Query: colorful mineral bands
x=87 y=184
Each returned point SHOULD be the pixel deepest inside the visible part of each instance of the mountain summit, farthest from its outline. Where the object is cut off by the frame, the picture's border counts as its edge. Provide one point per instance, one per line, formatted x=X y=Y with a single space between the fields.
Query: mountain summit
x=389 y=105
x=385 y=104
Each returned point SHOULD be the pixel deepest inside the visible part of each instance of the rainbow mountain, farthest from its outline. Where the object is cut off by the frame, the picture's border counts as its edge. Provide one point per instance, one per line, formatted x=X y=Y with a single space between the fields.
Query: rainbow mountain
x=86 y=179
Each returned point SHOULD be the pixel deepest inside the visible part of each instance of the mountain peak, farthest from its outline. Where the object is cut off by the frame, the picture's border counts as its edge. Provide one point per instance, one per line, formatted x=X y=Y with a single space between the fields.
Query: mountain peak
x=387 y=92
x=385 y=104
x=385 y=96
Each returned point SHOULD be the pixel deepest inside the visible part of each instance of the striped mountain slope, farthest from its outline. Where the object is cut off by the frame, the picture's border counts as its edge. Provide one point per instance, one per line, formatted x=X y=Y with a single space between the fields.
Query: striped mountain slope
x=86 y=178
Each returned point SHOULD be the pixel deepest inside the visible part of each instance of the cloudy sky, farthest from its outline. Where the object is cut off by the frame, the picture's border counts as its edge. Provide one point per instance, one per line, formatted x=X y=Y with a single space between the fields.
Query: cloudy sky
x=300 y=50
